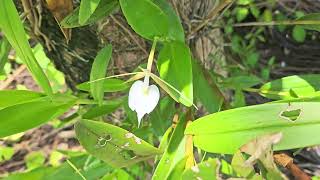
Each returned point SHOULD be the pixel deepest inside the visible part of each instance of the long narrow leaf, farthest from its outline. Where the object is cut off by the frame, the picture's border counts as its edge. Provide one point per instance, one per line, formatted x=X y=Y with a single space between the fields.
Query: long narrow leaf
x=99 y=68
x=4 y=52
x=12 y=27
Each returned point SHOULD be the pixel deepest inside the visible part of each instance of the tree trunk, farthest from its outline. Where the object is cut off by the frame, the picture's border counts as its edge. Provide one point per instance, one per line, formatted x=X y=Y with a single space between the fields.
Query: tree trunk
x=75 y=58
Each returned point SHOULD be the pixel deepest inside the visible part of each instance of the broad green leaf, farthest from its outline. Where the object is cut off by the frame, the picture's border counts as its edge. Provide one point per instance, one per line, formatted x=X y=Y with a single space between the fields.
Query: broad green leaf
x=112 y=144
x=311 y=17
x=206 y=171
x=174 y=65
x=87 y=8
x=291 y=87
x=226 y=131
x=4 y=52
x=12 y=27
x=21 y=117
x=175 y=31
x=90 y=170
x=205 y=89
x=105 y=108
x=13 y=97
x=145 y=18
x=98 y=71
x=105 y=7
x=174 y=152
x=109 y=85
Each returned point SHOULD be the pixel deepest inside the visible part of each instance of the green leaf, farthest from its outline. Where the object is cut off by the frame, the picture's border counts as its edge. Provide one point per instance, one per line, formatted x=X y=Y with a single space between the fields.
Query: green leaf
x=21 y=117
x=311 y=17
x=105 y=7
x=34 y=160
x=178 y=169
x=118 y=174
x=291 y=87
x=241 y=13
x=12 y=27
x=241 y=82
x=206 y=170
x=87 y=8
x=114 y=145
x=205 y=89
x=226 y=131
x=161 y=116
x=6 y=153
x=5 y=48
x=109 y=85
x=13 y=97
x=145 y=18
x=91 y=170
x=175 y=31
x=98 y=71
x=267 y=15
x=174 y=65
x=174 y=152
x=239 y=165
x=105 y=108
x=299 y=34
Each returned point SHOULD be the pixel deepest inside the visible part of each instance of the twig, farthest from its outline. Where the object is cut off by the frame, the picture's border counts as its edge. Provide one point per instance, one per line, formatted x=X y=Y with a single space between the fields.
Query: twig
x=12 y=77
x=286 y=161
x=129 y=33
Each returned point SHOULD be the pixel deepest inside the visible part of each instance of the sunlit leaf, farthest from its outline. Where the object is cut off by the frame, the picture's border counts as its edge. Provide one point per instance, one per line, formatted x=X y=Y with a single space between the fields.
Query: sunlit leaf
x=291 y=87
x=206 y=170
x=174 y=152
x=21 y=117
x=87 y=8
x=113 y=144
x=12 y=97
x=224 y=132
x=12 y=27
x=4 y=52
x=174 y=65
x=175 y=31
x=145 y=18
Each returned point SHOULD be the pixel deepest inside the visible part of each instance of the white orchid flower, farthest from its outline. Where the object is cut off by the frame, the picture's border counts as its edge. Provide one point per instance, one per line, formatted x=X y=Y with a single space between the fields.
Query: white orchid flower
x=143 y=98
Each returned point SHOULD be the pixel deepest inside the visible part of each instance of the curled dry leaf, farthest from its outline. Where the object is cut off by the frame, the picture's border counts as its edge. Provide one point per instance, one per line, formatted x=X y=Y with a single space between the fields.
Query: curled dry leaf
x=61 y=9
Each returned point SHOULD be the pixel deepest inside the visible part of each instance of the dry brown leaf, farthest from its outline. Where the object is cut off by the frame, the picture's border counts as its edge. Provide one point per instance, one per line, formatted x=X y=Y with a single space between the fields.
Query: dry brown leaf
x=60 y=9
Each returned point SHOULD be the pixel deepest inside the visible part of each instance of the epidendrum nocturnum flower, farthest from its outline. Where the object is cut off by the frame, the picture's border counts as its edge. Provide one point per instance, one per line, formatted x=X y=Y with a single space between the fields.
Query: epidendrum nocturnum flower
x=143 y=98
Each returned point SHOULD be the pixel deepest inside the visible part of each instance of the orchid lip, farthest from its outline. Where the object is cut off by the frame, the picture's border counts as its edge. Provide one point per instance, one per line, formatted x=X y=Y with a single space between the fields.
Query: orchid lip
x=143 y=98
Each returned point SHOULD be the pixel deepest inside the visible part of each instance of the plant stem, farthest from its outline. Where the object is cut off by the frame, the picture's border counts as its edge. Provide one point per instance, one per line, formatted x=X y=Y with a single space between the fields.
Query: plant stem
x=151 y=55
x=273 y=23
x=150 y=59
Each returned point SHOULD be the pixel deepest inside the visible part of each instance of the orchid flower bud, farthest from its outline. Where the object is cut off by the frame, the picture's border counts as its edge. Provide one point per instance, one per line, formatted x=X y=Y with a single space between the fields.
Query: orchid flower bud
x=143 y=98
